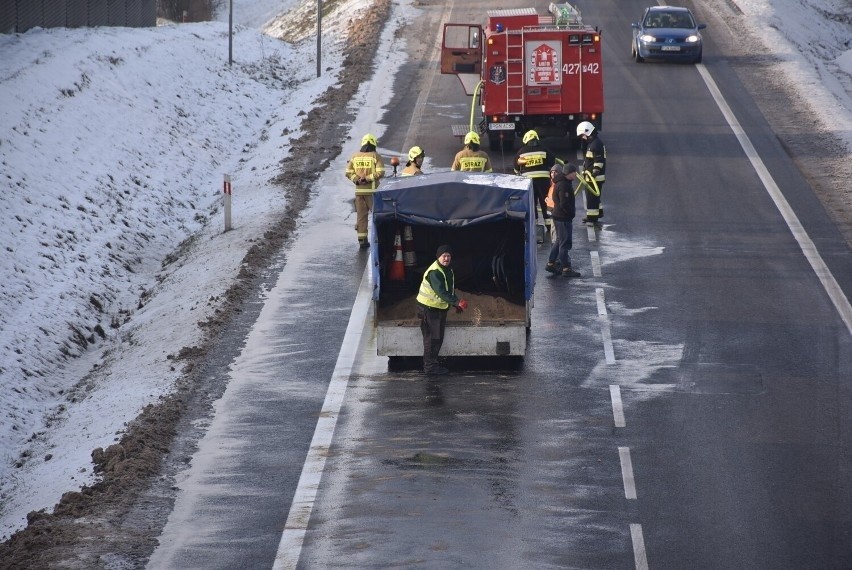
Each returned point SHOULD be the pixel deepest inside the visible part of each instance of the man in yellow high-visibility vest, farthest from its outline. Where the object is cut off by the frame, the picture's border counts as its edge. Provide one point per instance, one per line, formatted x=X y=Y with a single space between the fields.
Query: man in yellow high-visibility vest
x=436 y=296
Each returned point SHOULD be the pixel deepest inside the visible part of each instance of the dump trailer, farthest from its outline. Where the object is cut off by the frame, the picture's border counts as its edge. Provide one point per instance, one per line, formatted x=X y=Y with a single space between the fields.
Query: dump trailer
x=489 y=221
x=529 y=70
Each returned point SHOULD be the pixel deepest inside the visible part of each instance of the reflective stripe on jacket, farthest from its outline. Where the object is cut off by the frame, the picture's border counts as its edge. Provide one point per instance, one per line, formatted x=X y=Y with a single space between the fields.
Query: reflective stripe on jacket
x=468 y=160
x=366 y=165
x=534 y=161
x=427 y=296
x=594 y=159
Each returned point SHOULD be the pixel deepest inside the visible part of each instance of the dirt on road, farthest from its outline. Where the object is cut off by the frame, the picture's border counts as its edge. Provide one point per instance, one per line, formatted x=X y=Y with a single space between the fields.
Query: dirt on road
x=85 y=529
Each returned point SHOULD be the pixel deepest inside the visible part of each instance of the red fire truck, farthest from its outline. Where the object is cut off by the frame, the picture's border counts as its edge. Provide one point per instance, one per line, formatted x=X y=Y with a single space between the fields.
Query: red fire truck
x=529 y=70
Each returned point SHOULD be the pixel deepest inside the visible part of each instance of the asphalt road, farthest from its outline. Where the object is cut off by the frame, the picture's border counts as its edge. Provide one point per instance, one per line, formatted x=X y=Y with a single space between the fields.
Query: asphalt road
x=683 y=405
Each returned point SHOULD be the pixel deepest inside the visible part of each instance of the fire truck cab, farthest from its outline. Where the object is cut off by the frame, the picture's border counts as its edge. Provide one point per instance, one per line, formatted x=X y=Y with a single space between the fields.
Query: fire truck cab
x=529 y=70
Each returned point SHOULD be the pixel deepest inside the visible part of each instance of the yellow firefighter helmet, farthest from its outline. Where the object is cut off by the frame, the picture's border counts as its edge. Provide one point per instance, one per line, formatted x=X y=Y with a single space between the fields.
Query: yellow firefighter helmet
x=415 y=152
x=530 y=135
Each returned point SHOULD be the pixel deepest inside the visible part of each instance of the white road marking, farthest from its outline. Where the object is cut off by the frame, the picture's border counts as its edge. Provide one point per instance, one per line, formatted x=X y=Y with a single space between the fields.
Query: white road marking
x=627 y=472
x=596 y=263
x=590 y=230
x=829 y=283
x=639 y=556
x=609 y=352
x=292 y=539
x=617 y=406
x=599 y=296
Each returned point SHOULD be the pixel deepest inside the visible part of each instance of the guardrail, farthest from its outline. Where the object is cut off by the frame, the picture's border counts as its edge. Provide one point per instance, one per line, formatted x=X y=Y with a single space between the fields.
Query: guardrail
x=17 y=16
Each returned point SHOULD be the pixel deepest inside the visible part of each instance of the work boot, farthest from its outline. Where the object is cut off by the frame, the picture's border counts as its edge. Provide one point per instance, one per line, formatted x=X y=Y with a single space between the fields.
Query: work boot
x=569 y=272
x=437 y=370
x=539 y=234
x=551 y=268
x=364 y=244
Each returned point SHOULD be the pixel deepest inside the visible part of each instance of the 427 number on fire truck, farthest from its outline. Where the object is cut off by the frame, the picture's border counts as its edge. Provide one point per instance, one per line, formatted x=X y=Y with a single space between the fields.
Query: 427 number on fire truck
x=574 y=68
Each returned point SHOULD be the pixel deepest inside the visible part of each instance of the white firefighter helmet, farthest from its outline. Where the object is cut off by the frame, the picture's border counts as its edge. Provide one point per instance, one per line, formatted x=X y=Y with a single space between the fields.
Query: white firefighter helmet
x=585 y=128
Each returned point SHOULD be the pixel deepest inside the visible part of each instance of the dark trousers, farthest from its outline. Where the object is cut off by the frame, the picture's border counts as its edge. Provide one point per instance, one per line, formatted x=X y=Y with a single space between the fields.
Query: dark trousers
x=433 y=322
x=594 y=210
x=562 y=243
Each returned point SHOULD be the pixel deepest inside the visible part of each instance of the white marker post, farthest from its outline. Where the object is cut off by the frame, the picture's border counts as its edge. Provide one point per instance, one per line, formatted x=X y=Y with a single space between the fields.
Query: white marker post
x=227 y=193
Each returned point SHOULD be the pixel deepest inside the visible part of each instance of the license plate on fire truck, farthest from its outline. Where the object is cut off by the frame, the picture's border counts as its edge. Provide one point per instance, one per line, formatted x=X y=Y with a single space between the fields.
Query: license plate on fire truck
x=501 y=126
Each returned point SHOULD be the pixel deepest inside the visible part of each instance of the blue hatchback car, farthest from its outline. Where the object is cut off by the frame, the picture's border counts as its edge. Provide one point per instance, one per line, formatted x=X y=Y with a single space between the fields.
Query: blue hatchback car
x=667 y=32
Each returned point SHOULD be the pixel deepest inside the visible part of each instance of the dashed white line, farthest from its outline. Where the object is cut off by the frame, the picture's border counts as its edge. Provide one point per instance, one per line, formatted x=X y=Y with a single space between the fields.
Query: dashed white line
x=590 y=230
x=639 y=556
x=596 y=263
x=627 y=472
x=599 y=296
x=609 y=352
x=617 y=407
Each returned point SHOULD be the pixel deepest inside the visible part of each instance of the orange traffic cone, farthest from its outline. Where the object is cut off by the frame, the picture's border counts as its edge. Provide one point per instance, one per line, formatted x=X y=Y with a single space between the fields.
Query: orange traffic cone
x=396 y=271
x=408 y=253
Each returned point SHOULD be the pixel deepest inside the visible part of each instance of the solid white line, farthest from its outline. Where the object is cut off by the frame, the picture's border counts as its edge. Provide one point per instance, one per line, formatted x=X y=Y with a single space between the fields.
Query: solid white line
x=617 y=406
x=627 y=472
x=609 y=352
x=293 y=537
x=639 y=556
x=596 y=263
x=599 y=295
x=829 y=283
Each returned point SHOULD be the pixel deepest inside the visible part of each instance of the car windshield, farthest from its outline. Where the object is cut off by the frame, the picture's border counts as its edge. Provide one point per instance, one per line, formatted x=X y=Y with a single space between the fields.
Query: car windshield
x=669 y=20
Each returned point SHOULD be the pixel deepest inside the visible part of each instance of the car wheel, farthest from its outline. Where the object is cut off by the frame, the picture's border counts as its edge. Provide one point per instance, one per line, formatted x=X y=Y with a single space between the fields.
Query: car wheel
x=636 y=56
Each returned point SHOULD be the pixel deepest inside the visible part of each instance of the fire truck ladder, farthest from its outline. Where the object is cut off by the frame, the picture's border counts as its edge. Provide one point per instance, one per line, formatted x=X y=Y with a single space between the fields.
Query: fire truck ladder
x=515 y=72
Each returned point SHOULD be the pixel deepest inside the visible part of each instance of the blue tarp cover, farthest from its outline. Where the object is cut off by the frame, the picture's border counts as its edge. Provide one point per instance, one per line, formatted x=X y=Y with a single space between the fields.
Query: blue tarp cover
x=453 y=199
x=457 y=199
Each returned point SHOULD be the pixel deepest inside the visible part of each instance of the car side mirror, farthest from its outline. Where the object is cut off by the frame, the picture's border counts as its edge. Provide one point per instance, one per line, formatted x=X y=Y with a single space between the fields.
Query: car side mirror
x=634 y=25
x=701 y=26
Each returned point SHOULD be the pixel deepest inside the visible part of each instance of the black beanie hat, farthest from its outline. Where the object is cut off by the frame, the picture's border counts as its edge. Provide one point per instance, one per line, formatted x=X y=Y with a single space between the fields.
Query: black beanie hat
x=444 y=249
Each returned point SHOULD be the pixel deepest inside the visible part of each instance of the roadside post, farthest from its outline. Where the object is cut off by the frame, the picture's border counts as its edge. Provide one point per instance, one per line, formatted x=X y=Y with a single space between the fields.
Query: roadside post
x=319 y=38
x=227 y=196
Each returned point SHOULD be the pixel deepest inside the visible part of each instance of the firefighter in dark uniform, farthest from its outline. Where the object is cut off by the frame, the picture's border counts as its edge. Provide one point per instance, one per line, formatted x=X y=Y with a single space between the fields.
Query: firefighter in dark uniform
x=364 y=169
x=594 y=171
x=436 y=296
x=534 y=161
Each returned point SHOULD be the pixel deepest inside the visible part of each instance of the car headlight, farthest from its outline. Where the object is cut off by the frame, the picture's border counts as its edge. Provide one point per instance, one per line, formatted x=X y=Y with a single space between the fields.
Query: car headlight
x=692 y=39
x=647 y=38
